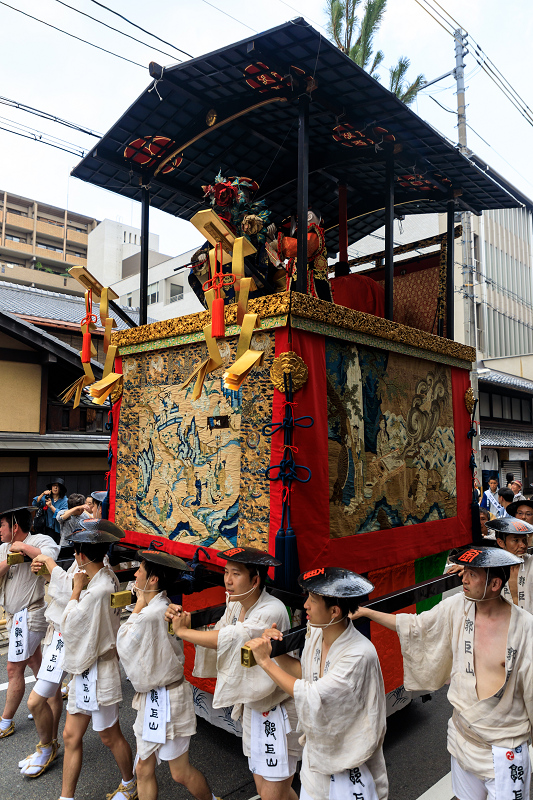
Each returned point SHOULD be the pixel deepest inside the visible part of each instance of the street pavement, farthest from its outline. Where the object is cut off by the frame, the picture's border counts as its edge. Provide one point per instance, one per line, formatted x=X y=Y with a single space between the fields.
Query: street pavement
x=415 y=751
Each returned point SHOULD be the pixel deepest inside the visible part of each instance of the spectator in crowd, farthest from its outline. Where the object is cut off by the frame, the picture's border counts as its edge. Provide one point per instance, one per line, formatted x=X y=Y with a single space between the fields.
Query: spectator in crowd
x=516 y=487
x=98 y=498
x=484 y=517
x=521 y=509
x=89 y=502
x=509 y=478
x=490 y=497
x=505 y=497
x=70 y=518
x=53 y=499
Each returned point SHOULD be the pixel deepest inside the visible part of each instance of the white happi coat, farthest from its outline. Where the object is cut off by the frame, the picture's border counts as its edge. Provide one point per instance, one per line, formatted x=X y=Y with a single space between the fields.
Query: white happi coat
x=524 y=585
x=342 y=714
x=20 y=588
x=252 y=688
x=89 y=627
x=152 y=658
x=437 y=646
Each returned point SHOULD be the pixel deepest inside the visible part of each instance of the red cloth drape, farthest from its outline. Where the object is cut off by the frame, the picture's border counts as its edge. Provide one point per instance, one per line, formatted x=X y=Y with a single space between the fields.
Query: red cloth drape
x=360 y=293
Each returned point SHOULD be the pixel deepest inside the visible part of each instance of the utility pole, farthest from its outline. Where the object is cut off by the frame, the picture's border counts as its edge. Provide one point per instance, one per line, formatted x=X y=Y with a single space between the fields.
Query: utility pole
x=468 y=266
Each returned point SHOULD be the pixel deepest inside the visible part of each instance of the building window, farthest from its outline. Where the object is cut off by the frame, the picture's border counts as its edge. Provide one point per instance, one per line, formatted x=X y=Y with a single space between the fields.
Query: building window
x=15 y=238
x=153 y=293
x=484 y=404
x=50 y=247
x=176 y=292
x=128 y=300
x=16 y=211
x=497 y=406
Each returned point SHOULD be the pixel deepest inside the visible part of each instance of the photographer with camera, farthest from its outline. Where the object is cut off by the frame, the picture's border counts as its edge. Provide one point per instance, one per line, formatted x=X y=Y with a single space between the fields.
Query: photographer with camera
x=52 y=500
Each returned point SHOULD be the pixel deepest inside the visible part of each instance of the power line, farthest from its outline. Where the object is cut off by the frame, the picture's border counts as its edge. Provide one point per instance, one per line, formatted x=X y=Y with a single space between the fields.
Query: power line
x=424 y=8
x=45 y=115
x=26 y=128
x=134 y=24
x=117 y=30
x=229 y=15
x=79 y=152
x=482 y=59
x=304 y=15
x=48 y=25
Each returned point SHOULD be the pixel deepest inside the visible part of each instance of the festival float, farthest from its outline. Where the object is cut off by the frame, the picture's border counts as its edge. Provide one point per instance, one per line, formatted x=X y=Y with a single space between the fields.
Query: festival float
x=312 y=409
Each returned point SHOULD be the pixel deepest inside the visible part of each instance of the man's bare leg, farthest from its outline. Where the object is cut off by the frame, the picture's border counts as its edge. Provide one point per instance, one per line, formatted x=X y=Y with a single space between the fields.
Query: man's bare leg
x=75 y=727
x=46 y=713
x=146 y=780
x=275 y=790
x=16 y=685
x=183 y=772
x=114 y=739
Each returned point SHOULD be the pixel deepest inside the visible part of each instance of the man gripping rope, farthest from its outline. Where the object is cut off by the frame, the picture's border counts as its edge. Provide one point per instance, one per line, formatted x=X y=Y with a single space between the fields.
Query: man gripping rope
x=483 y=645
x=153 y=661
x=89 y=626
x=338 y=690
x=22 y=598
x=250 y=609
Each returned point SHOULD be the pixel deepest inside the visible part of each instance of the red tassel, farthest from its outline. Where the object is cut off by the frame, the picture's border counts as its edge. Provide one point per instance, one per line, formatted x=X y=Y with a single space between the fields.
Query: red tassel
x=217 y=318
x=86 y=348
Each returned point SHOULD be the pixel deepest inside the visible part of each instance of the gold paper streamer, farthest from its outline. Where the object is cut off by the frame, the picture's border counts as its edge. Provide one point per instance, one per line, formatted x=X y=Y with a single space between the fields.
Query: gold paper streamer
x=209 y=365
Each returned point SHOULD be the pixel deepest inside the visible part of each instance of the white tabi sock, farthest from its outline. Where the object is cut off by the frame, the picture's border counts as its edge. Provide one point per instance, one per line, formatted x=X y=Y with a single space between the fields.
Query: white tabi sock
x=66 y=798
x=5 y=723
x=33 y=764
x=127 y=785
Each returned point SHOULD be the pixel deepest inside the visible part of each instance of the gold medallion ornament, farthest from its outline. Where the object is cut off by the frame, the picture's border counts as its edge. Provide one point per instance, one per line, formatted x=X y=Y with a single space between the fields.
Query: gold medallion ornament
x=289 y=363
x=211 y=118
x=469 y=400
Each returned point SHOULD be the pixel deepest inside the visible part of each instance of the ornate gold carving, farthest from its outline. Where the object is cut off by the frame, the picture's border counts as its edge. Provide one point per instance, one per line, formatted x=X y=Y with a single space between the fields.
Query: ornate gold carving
x=303 y=305
x=272 y=306
x=211 y=117
x=307 y=307
x=288 y=363
x=469 y=400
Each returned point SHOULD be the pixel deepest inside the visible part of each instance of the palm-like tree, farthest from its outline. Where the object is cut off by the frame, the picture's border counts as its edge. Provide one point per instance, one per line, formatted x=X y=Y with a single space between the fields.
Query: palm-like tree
x=356 y=38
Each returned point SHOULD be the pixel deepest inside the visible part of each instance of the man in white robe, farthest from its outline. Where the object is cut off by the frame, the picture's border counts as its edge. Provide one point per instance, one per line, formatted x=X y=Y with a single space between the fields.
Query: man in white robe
x=89 y=626
x=482 y=645
x=338 y=690
x=46 y=701
x=250 y=609
x=22 y=598
x=153 y=661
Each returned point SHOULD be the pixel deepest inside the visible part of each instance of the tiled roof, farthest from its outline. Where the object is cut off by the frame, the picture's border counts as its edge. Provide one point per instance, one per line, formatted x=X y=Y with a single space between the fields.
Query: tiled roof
x=36 y=337
x=31 y=302
x=494 y=437
x=504 y=379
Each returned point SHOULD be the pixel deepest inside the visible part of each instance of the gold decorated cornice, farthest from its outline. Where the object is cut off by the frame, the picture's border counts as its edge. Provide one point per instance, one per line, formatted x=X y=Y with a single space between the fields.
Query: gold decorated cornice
x=272 y=306
x=306 y=307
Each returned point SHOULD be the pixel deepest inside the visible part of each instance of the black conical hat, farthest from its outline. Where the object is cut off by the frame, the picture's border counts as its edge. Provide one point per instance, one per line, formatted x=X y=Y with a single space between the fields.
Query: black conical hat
x=510 y=525
x=250 y=555
x=335 y=582
x=475 y=555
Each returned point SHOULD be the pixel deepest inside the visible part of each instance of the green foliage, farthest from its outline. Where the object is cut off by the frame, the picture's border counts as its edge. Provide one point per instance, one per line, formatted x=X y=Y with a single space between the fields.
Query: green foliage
x=355 y=37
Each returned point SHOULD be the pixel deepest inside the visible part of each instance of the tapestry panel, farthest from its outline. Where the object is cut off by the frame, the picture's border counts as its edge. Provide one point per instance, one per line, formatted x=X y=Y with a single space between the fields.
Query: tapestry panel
x=391 y=446
x=190 y=470
x=416 y=287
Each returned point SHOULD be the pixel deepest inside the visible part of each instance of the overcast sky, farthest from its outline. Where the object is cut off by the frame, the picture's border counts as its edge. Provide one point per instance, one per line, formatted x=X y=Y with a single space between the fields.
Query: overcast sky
x=45 y=69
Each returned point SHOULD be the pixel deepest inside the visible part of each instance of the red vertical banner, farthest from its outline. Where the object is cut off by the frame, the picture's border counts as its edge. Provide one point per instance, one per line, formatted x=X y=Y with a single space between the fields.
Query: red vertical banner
x=309 y=501
x=113 y=444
